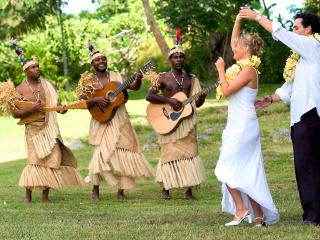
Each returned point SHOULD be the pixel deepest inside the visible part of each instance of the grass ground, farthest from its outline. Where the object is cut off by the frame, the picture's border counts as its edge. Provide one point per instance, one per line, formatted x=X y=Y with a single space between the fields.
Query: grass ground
x=145 y=216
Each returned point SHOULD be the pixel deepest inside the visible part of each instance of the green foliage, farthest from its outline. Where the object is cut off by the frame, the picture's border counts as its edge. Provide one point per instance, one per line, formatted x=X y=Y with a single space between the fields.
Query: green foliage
x=198 y=63
x=312 y=7
x=119 y=37
x=273 y=61
x=150 y=50
x=109 y=8
x=201 y=18
x=19 y=17
x=198 y=19
x=118 y=28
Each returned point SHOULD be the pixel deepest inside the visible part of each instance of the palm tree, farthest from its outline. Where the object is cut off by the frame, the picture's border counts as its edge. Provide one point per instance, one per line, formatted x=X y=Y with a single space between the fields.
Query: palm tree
x=155 y=29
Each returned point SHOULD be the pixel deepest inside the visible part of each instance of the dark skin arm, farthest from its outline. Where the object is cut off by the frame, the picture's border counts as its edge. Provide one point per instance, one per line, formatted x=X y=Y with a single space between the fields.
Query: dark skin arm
x=137 y=82
x=22 y=113
x=170 y=89
x=200 y=100
x=154 y=97
x=102 y=102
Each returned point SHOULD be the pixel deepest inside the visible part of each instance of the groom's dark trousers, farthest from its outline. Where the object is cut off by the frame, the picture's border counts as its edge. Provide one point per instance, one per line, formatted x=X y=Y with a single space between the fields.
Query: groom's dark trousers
x=305 y=137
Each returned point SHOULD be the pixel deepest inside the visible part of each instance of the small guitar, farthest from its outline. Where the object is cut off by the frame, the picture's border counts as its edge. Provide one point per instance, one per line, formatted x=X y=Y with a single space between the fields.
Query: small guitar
x=117 y=95
x=38 y=115
x=164 y=119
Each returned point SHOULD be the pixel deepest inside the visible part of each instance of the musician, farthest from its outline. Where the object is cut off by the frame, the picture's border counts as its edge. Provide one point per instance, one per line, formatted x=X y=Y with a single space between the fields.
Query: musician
x=179 y=165
x=50 y=163
x=117 y=156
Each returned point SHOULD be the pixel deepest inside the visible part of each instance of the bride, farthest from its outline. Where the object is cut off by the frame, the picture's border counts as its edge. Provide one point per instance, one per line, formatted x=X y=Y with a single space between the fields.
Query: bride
x=240 y=166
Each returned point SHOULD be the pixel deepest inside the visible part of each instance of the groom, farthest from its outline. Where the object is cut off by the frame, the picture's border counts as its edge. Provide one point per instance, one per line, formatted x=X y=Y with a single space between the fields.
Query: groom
x=304 y=95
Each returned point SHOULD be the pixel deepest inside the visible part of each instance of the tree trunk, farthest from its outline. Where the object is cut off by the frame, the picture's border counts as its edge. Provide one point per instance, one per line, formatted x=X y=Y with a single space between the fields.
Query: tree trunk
x=64 y=50
x=155 y=29
x=220 y=46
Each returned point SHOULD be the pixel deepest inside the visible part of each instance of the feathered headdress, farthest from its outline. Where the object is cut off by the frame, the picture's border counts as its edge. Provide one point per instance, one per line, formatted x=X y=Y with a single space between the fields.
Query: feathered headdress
x=178 y=47
x=94 y=54
x=24 y=61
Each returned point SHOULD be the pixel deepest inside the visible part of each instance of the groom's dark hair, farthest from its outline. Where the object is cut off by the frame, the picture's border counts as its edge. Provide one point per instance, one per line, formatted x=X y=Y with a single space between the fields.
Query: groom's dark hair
x=309 y=19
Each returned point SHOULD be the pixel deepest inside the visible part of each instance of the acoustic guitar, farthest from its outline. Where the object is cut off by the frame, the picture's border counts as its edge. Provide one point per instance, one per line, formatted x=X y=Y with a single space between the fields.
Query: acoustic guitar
x=38 y=115
x=117 y=95
x=164 y=119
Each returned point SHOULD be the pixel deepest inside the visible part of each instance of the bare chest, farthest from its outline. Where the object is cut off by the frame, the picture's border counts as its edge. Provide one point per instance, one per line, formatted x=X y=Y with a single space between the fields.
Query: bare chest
x=100 y=83
x=172 y=84
x=34 y=93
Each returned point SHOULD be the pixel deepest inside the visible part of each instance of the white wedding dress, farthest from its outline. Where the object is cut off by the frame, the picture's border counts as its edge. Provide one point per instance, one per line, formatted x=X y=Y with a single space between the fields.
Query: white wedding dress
x=240 y=165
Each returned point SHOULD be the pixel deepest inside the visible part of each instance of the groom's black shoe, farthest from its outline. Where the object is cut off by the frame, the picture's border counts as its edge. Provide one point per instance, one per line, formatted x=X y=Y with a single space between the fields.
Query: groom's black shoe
x=307 y=223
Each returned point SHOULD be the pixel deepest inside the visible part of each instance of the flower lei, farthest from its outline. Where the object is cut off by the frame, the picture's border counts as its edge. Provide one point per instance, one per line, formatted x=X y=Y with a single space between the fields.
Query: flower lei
x=291 y=62
x=234 y=70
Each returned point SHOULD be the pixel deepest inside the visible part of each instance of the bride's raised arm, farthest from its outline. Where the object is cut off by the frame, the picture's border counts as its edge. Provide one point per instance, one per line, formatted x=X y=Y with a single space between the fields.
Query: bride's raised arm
x=236 y=30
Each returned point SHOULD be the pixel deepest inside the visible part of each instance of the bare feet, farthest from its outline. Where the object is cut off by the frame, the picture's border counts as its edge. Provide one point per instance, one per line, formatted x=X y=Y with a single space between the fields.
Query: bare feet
x=45 y=196
x=46 y=201
x=28 y=197
x=121 y=196
x=166 y=194
x=27 y=201
x=95 y=192
x=189 y=195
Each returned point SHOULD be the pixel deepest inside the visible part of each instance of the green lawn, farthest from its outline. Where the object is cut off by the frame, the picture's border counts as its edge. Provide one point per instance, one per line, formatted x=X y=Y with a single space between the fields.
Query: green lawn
x=145 y=216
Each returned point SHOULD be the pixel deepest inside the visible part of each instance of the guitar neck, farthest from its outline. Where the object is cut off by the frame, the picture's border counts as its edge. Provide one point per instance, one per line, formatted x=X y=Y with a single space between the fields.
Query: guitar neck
x=125 y=84
x=81 y=104
x=147 y=67
x=196 y=96
x=75 y=105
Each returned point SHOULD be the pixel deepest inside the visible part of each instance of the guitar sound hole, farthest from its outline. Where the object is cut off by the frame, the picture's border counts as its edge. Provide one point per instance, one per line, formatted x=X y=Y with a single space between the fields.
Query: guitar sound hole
x=111 y=96
x=175 y=115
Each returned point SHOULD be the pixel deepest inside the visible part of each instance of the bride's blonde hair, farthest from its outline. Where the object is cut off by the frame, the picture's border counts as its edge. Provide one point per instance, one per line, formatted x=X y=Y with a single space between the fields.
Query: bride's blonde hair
x=253 y=41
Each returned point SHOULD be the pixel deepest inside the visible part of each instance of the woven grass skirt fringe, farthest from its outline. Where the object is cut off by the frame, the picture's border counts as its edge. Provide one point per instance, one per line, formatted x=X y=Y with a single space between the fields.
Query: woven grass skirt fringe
x=39 y=177
x=181 y=173
x=120 y=170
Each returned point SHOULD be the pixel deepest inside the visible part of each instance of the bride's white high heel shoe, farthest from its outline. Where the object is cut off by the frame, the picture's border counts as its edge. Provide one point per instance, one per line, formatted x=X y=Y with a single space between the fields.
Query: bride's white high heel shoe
x=262 y=223
x=238 y=220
